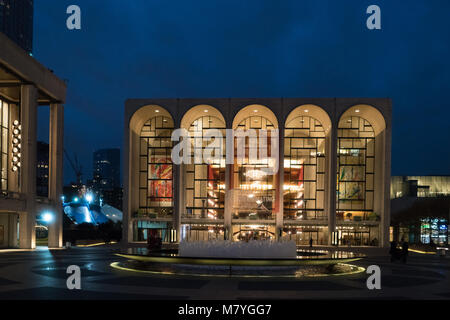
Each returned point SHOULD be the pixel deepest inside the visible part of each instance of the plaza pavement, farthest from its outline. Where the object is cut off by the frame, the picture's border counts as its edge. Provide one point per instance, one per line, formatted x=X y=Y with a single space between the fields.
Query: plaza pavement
x=41 y=274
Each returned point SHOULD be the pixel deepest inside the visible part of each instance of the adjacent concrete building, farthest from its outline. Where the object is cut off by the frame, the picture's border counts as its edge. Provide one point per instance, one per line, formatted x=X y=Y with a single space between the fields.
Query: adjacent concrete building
x=25 y=85
x=332 y=185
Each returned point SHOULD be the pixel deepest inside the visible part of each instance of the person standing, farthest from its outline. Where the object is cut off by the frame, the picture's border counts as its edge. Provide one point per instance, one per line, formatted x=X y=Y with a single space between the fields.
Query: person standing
x=405 y=247
x=310 y=242
x=393 y=251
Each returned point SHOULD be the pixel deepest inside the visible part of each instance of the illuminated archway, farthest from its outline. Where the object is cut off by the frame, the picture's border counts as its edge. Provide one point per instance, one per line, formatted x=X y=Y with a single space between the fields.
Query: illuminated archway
x=253 y=190
x=360 y=156
x=204 y=178
x=151 y=172
x=305 y=173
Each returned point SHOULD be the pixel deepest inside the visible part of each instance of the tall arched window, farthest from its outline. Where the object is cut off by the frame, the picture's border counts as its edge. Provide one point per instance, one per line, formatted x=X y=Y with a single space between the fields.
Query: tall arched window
x=254 y=188
x=356 y=169
x=155 y=168
x=205 y=181
x=304 y=169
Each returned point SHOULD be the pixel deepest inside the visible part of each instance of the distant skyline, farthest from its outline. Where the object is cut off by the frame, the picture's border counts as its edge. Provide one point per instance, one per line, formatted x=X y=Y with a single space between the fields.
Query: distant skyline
x=255 y=48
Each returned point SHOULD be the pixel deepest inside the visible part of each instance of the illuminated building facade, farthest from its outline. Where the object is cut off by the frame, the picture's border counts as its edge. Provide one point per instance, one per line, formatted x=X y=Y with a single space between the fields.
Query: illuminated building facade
x=420 y=209
x=332 y=184
x=25 y=85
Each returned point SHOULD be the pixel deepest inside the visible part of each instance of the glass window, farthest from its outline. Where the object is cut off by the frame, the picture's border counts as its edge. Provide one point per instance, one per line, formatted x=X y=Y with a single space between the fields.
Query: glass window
x=205 y=181
x=304 y=169
x=4 y=139
x=155 y=168
x=253 y=188
x=356 y=169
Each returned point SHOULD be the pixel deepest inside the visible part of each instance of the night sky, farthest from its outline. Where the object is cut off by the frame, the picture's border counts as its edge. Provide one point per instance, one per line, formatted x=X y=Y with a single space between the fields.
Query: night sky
x=257 y=48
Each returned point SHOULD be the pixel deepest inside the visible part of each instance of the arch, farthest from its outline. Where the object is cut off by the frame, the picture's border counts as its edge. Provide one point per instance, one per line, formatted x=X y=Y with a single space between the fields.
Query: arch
x=359 y=158
x=145 y=113
x=368 y=113
x=150 y=169
x=305 y=159
x=312 y=111
x=255 y=110
x=199 y=111
x=204 y=184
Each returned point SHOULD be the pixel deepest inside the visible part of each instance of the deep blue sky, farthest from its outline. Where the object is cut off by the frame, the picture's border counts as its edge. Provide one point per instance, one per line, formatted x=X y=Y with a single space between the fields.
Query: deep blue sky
x=241 y=48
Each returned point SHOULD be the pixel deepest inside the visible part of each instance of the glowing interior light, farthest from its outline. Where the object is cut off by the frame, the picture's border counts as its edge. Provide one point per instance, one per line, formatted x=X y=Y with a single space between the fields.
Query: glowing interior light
x=357 y=110
x=156 y=110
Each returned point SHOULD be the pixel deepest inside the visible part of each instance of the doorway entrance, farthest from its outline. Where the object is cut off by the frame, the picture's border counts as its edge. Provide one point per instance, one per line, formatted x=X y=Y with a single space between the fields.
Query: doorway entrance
x=253 y=232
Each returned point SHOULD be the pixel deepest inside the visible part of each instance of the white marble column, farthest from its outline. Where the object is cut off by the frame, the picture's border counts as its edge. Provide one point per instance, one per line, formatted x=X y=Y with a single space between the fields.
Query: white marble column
x=28 y=120
x=56 y=136
x=279 y=186
x=178 y=199
x=332 y=154
x=228 y=207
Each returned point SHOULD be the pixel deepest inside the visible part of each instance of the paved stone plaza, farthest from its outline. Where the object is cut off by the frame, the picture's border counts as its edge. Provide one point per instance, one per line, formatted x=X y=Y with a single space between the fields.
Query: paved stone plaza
x=41 y=274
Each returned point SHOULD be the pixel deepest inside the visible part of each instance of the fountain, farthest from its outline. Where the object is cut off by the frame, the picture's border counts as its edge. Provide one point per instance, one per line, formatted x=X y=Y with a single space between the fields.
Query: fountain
x=257 y=258
x=263 y=249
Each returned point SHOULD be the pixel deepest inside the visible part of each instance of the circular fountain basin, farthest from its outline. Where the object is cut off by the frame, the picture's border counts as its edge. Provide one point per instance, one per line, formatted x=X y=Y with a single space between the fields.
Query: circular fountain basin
x=308 y=263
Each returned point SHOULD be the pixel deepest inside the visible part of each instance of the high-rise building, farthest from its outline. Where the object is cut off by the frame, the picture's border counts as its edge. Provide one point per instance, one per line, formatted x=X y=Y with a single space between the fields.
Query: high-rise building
x=106 y=175
x=16 y=22
x=42 y=169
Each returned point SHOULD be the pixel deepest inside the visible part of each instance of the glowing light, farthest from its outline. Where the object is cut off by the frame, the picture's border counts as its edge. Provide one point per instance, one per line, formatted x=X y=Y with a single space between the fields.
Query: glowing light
x=47 y=217
x=89 y=197
x=357 y=110
x=75 y=199
x=156 y=110
x=255 y=174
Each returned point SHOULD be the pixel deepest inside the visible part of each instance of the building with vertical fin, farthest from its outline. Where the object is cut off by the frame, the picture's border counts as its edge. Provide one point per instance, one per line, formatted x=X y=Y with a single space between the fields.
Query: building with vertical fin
x=26 y=85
